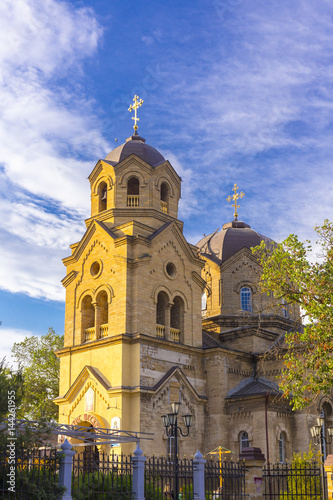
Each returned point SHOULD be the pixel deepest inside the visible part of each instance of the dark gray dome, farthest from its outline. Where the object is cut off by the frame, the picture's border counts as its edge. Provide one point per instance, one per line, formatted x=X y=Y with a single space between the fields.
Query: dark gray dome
x=234 y=236
x=136 y=145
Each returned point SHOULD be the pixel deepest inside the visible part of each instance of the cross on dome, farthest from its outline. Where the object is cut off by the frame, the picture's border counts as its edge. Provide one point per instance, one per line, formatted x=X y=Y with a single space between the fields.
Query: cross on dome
x=137 y=104
x=235 y=197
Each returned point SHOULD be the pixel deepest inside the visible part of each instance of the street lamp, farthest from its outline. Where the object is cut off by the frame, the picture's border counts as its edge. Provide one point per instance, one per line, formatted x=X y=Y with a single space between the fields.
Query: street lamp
x=318 y=436
x=170 y=423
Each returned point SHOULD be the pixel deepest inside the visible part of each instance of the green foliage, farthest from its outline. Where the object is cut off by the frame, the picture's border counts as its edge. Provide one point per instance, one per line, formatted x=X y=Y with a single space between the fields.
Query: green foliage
x=288 y=273
x=102 y=485
x=299 y=483
x=41 y=369
x=37 y=481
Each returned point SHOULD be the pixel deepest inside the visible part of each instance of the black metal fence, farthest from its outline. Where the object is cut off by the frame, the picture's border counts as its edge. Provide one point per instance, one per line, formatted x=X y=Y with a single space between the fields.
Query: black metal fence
x=292 y=482
x=224 y=480
x=164 y=477
x=29 y=474
x=101 y=476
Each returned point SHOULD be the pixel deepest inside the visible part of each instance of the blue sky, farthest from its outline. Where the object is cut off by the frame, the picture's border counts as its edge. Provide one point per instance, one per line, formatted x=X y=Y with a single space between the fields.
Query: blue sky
x=235 y=91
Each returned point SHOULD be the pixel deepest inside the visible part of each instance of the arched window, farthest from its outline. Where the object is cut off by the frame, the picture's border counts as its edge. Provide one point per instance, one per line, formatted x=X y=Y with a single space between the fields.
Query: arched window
x=282 y=447
x=243 y=441
x=88 y=319
x=162 y=301
x=133 y=191
x=102 y=300
x=164 y=197
x=177 y=319
x=102 y=197
x=246 y=298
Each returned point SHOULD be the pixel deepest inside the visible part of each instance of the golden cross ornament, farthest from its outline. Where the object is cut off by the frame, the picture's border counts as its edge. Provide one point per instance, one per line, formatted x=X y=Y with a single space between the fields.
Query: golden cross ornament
x=235 y=197
x=137 y=104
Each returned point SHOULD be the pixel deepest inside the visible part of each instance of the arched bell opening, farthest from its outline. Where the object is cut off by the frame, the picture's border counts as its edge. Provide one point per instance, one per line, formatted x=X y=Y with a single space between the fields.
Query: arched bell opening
x=103 y=305
x=88 y=319
x=102 y=197
x=177 y=320
x=164 y=197
x=161 y=314
x=133 y=192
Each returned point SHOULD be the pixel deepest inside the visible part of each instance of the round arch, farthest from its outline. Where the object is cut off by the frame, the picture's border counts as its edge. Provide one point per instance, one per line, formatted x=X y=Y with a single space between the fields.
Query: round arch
x=180 y=294
x=134 y=173
x=104 y=178
x=105 y=288
x=80 y=299
x=165 y=180
x=157 y=289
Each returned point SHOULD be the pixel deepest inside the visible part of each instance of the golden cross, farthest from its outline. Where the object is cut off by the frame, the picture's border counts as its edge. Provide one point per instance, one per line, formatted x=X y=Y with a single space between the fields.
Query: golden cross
x=235 y=197
x=137 y=104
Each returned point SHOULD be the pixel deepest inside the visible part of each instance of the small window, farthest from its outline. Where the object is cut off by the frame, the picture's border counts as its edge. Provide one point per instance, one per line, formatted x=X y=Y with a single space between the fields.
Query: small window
x=204 y=301
x=246 y=298
x=282 y=448
x=171 y=447
x=285 y=309
x=243 y=441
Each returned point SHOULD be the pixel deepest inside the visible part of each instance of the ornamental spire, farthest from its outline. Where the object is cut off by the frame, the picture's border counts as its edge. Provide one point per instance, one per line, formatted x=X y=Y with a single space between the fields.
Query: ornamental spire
x=235 y=197
x=137 y=104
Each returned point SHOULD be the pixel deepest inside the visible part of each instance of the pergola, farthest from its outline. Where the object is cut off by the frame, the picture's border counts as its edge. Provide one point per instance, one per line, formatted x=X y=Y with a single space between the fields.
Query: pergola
x=90 y=436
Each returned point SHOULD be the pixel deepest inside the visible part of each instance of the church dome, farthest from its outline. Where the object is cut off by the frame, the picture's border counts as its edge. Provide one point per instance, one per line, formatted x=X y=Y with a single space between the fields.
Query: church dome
x=136 y=145
x=221 y=245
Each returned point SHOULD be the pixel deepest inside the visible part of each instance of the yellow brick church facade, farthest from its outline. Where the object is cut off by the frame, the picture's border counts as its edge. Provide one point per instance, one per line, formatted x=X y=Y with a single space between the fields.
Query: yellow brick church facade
x=152 y=319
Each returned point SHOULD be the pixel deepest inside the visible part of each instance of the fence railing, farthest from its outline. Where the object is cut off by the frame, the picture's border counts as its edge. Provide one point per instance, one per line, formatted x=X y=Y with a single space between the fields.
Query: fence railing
x=289 y=481
x=101 y=476
x=161 y=475
x=29 y=473
x=224 y=480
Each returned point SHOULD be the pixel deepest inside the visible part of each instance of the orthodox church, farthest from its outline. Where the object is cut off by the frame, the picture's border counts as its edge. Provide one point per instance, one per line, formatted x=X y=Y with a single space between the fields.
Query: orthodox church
x=152 y=319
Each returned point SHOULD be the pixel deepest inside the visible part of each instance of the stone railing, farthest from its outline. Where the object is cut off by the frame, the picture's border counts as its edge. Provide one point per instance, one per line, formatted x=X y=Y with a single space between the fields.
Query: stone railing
x=175 y=334
x=90 y=333
x=104 y=330
x=164 y=207
x=132 y=200
x=160 y=331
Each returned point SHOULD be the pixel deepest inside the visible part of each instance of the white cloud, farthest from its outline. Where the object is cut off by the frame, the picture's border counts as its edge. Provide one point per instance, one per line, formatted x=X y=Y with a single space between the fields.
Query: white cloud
x=8 y=337
x=48 y=134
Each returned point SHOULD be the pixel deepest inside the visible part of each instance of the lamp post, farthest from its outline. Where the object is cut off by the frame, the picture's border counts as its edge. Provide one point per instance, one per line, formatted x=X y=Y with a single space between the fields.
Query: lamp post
x=318 y=436
x=170 y=422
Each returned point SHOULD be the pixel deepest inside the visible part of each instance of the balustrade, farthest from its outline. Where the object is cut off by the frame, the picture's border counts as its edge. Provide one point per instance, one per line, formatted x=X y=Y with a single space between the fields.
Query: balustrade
x=132 y=200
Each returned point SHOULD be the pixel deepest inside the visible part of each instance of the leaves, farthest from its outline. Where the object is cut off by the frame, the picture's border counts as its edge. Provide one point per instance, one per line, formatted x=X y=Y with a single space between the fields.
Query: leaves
x=40 y=368
x=294 y=279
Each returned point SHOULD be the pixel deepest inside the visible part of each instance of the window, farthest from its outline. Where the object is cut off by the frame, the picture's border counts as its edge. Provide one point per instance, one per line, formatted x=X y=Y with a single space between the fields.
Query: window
x=177 y=319
x=171 y=447
x=133 y=192
x=161 y=309
x=284 y=309
x=282 y=448
x=243 y=441
x=204 y=301
x=246 y=298
x=164 y=197
x=102 y=197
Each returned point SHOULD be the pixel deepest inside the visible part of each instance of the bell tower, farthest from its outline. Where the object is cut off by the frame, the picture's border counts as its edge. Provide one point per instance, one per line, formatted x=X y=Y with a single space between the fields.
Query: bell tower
x=132 y=281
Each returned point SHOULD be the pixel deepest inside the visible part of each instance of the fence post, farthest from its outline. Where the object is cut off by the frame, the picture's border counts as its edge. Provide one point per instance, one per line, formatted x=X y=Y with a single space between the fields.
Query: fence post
x=199 y=476
x=65 y=469
x=138 y=484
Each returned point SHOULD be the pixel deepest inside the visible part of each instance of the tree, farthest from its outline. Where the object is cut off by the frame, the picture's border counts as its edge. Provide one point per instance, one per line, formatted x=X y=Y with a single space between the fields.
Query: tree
x=294 y=279
x=40 y=368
